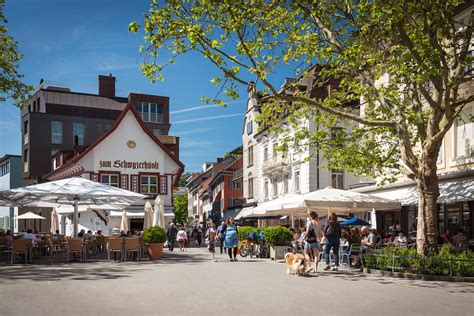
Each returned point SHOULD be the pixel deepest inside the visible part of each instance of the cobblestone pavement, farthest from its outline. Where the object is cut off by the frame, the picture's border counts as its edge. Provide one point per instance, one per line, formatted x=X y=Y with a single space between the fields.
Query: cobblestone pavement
x=188 y=283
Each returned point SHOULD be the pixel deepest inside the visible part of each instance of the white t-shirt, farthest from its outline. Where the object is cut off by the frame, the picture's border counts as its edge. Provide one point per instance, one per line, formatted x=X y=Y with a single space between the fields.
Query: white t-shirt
x=181 y=235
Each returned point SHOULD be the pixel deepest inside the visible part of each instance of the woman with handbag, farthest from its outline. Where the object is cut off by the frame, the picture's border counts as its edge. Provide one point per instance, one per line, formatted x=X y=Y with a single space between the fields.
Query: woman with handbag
x=312 y=238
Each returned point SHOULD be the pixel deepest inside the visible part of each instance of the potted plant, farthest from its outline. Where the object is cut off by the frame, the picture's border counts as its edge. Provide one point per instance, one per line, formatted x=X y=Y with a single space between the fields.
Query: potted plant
x=278 y=238
x=154 y=238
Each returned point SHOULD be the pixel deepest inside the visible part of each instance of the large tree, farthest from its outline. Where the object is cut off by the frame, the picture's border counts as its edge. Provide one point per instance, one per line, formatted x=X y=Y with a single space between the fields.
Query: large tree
x=11 y=85
x=180 y=208
x=397 y=69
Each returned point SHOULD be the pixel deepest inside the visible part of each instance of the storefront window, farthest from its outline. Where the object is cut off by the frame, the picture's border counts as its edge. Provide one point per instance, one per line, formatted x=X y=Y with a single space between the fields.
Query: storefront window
x=466 y=219
x=110 y=179
x=453 y=218
x=149 y=184
x=441 y=221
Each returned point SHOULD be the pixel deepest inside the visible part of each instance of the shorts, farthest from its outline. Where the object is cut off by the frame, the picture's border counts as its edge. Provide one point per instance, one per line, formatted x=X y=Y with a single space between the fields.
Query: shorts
x=314 y=245
x=212 y=247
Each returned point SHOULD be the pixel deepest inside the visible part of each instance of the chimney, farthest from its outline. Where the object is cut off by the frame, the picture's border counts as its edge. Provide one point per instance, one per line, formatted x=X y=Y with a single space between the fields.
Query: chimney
x=107 y=86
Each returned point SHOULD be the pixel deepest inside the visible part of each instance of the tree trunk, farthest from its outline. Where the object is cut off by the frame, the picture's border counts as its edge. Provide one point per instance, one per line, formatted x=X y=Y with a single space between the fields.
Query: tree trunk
x=428 y=190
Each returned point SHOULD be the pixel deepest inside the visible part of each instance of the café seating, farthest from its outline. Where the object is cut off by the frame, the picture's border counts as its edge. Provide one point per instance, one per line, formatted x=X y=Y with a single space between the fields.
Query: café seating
x=21 y=246
x=114 y=245
x=74 y=245
x=354 y=251
x=132 y=246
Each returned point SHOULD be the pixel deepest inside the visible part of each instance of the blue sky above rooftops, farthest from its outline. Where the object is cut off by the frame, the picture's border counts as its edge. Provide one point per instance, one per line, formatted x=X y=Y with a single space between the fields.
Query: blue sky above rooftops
x=69 y=43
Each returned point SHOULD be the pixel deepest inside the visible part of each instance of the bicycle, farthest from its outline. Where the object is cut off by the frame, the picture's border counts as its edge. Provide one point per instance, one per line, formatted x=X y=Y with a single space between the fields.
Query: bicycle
x=247 y=248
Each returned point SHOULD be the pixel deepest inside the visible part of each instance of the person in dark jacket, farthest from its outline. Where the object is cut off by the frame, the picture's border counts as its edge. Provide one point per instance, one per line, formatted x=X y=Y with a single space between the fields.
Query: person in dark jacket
x=332 y=232
x=171 y=234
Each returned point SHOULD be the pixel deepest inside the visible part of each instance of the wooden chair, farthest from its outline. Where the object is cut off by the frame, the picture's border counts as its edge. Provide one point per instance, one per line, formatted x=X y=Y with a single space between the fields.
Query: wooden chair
x=114 y=245
x=74 y=245
x=132 y=245
x=21 y=246
x=101 y=243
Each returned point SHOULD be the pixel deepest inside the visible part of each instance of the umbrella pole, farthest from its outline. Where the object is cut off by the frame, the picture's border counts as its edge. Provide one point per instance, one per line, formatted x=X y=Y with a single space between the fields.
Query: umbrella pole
x=76 y=222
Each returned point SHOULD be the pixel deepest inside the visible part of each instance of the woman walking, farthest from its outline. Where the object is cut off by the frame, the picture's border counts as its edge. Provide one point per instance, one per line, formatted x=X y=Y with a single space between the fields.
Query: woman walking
x=312 y=239
x=181 y=237
x=211 y=237
x=231 y=240
x=332 y=232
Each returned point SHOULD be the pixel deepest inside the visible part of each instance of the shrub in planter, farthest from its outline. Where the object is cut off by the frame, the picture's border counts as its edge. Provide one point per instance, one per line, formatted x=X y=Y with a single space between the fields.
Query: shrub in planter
x=154 y=235
x=278 y=236
x=244 y=231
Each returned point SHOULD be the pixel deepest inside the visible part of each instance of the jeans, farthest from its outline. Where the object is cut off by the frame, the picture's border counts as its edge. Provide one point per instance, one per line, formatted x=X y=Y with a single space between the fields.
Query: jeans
x=332 y=243
x=171 y=244
x=221 y=245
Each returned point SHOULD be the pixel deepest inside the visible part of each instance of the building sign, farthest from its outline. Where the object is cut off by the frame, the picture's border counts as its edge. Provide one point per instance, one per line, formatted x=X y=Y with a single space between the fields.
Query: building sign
x=123 y=164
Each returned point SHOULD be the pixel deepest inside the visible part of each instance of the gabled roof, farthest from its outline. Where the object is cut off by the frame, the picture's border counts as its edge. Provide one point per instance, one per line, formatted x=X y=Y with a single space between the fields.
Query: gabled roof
x=129 y=108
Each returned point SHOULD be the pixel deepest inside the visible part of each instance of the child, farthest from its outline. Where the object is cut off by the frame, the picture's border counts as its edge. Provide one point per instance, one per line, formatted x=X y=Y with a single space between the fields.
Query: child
x=211 y=237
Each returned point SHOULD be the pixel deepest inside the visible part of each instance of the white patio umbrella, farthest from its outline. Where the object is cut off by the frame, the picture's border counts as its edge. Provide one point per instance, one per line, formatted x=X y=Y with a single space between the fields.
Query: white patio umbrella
x=159 y=212
x=54 y=221
x=124 y=222
x=147 y=216
x=75 y=191
x=29 y=216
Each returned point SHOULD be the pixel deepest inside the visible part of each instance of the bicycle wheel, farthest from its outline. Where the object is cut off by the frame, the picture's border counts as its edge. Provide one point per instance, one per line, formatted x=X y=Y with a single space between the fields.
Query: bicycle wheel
x=244 y=252
x=263 y=252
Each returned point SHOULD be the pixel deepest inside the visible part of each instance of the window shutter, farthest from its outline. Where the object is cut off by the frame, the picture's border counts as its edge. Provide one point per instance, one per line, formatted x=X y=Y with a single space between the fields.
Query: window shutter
x=134 y=183
x=124 y=181
x=95 y=177
x=164 y=185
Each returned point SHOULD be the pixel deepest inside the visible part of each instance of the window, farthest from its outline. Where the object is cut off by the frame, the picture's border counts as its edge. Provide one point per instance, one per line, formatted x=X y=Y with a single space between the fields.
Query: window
x=78 y=131
x=275 y=187
x=110 y=179
x=265 y=153
x=25 y=160
x=236 y=185
x=157 y=132
x=464 y=134
x=150 y=112
x=275 y=151
x=440 y=159
x=26 y=137
x=296 y=182
x=337 y=179
x=265 y=189
x=5 y=169
x=250 y=186
x=285 y=184
x=249 y=127
x=56 y=132
x=250 y=155
x=149 y=184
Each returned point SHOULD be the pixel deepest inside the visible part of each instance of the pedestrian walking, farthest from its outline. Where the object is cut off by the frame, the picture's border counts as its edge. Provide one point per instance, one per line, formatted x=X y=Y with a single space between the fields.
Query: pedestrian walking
x=312 y=239
x=211 y=236
x=332 y=232
x=171 y=234
x=199 y=237
x=231 y=240
x=181 y=237
x=221 y=235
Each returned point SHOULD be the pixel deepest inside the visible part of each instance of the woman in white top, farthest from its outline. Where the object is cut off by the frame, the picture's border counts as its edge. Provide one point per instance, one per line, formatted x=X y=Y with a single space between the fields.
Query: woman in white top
x=181 y=237
x=312 y=238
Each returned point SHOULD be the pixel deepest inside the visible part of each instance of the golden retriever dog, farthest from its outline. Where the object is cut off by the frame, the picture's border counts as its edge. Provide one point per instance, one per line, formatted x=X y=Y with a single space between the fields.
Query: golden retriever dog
x=296 y=263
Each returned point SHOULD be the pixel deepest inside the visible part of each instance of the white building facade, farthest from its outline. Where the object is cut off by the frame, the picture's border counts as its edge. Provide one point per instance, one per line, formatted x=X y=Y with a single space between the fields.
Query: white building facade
x=130 y=157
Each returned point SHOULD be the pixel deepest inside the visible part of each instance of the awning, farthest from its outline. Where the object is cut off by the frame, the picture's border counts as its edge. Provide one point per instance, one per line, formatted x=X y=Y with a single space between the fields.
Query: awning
x=450 y=192
x=244 y=213
x=231 y=213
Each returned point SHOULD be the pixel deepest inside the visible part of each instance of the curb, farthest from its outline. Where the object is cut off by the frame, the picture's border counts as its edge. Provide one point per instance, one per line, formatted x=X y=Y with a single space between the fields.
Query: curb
x=411 y=276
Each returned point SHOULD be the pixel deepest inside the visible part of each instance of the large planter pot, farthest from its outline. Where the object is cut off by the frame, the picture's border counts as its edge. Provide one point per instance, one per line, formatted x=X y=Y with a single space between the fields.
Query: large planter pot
x=155 y=251
x=278 y=252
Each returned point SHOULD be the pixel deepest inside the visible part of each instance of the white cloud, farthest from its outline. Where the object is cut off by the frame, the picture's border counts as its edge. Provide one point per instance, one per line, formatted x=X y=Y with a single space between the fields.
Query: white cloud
x=208 y=118
x=194 y=131
x=196 y=143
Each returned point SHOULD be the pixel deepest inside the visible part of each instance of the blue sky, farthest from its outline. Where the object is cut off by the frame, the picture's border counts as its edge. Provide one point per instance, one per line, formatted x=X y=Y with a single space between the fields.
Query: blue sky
x=71 y=42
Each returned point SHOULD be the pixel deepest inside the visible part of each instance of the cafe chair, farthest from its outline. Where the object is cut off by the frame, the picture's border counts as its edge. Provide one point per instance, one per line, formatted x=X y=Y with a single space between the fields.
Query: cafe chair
x=21 y=246
x=74 y=245
x=114 y=245
x=132 y=245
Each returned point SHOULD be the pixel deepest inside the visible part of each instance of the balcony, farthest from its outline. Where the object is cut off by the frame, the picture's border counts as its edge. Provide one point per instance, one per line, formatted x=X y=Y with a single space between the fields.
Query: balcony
x=276 y=165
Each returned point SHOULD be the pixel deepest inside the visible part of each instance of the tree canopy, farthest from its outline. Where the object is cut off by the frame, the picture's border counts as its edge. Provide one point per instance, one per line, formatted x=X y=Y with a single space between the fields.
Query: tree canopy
x=180 y=208
x=392 y=73
x=11 y=85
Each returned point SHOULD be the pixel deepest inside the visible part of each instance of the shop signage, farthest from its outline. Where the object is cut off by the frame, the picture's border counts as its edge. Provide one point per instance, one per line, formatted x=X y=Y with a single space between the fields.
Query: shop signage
x=123 y=164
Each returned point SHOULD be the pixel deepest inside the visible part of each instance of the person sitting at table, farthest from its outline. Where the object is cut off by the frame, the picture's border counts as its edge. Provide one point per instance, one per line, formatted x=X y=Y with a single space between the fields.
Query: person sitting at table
x=88 y=234
x=369 y=239
x=8 y=239
x=98 y=233
x=81 y=233
x=400 y=240
x=461 y=240
x=29 y=235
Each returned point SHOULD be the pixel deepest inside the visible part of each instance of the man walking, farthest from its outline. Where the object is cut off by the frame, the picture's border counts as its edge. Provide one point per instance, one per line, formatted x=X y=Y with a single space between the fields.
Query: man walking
x=171 y=233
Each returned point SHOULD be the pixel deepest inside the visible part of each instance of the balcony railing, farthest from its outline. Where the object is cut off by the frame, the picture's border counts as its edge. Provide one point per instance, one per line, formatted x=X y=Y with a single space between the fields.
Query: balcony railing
x=276 y=165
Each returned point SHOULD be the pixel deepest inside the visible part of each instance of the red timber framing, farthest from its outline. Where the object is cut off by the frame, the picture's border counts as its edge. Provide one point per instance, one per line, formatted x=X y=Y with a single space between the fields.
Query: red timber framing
x=134 y=183
x=124 y=181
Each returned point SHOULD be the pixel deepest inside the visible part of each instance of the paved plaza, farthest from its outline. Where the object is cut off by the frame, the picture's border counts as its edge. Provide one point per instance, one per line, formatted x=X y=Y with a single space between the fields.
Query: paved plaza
x=190 y=284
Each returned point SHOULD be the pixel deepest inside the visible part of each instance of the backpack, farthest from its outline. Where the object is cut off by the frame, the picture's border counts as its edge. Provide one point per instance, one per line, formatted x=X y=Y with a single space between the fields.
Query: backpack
x=311 y=236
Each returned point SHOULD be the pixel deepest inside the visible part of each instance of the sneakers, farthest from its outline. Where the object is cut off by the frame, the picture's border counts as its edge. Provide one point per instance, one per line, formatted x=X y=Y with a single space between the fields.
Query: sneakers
x=231 y=260
x=335 y=269
x=327 y=268
x=235 y=259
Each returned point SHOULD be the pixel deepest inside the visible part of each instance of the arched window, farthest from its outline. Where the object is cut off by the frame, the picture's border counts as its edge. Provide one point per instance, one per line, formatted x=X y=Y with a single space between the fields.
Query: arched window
x=250 y=186
x=250 y=155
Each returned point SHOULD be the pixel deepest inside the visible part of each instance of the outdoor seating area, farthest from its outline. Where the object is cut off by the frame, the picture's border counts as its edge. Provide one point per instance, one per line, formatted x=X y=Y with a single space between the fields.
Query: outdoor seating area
x=49 y=248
